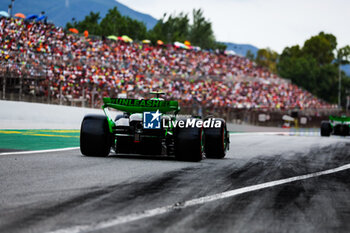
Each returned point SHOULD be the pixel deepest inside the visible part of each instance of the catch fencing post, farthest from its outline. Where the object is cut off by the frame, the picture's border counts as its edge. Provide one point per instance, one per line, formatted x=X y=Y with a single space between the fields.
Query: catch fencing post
x=20 y=87
x=83 y=93
x=92 y=99
x=339 y=88
x=61 y=93
x=93 y=96
x=49 y=91
x=347 y=106
x=3 y=87
x=48 y=85
x=4 y=84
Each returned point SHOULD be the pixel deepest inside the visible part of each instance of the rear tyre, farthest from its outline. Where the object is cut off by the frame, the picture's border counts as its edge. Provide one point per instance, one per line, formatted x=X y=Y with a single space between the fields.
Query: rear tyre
x=326 y=129
x=95 y=138
x=188 y=144
x=216 y=140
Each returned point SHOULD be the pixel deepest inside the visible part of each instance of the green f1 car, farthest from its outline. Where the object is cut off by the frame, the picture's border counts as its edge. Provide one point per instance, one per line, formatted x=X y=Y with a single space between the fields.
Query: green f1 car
x=152 y=127
x=336 y=126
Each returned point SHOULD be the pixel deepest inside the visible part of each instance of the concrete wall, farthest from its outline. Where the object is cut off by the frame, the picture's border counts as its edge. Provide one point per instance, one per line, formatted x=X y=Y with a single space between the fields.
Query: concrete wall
x=23 y=115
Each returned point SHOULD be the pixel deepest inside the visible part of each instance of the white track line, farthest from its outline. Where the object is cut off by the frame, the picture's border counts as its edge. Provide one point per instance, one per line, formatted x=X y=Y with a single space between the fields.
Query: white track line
x=38 y=151
x=291 y=133
x=197 y=201
x=73 y=148
x=259 y=133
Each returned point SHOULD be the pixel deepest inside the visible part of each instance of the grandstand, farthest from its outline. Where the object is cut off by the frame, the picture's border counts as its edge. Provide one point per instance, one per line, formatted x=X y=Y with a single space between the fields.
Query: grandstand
x=41 y=62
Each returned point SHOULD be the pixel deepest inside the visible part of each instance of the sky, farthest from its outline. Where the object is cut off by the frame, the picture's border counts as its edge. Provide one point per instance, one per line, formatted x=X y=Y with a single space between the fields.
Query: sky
x=272 y=24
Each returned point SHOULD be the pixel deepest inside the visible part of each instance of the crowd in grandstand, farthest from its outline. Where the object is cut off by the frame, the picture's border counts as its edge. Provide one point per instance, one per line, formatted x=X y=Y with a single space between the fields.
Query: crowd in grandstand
x=72 y=66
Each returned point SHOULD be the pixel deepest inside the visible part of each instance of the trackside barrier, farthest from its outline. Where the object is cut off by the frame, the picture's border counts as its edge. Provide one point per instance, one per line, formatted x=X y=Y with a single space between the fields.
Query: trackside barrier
x=40 y=89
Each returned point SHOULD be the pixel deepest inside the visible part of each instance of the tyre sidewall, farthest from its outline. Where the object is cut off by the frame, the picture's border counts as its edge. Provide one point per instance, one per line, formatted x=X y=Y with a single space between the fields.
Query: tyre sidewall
x=326 y=128
x=216 y=141
x=189 y=144
x=95 y=138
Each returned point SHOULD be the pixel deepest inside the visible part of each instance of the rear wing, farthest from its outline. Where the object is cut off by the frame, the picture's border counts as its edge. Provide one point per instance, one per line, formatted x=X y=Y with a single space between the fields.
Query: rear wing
x=339 y=119
x=139 y=106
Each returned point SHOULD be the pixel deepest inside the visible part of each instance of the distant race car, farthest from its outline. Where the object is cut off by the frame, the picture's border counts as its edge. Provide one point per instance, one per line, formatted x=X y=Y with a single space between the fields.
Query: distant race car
x=336 y=126
x=152 y=126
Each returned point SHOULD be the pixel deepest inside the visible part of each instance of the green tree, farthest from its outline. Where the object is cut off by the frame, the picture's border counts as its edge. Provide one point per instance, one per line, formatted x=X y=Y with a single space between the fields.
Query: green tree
x=302 y=71
x=174 y=28
x=168 y=29
x=343 y=58
x=201 y=31
x=90 y=23
x=178 y=28
x=315 y=66
x=220 y=46
x=321 y=47
x=293 y=51
x=135 y=29
x=327 y=83
x=250 y=55
x=343 y=55
x=267 y=58
x=112 y=24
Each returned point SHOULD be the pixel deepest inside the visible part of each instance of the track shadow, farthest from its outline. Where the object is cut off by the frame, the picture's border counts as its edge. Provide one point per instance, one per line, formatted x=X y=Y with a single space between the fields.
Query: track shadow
x=4 y=150
x=139 y=156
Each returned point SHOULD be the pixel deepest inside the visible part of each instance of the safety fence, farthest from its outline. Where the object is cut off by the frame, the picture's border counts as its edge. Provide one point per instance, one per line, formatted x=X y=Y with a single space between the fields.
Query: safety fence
x=33 y=90
x=34 y=80
x=263 y=117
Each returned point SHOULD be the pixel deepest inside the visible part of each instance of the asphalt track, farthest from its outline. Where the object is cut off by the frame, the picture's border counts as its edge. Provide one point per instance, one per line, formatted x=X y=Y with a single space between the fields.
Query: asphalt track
x=62 y=191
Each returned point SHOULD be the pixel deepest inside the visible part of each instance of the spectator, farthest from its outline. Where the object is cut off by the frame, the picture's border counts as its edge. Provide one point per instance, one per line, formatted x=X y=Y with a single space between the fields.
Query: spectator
x=77 y=65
